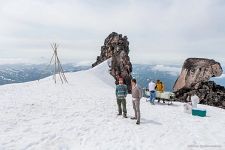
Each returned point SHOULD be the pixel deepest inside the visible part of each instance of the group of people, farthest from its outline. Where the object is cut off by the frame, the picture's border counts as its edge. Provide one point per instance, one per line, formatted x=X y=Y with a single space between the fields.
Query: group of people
x=121 y=94
x=122 y=91
x=153 y=88
x=159 y=87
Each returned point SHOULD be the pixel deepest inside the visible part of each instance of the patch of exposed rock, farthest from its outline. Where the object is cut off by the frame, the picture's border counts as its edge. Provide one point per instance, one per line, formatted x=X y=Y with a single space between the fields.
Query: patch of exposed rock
x=195 y=76
x=116 y=47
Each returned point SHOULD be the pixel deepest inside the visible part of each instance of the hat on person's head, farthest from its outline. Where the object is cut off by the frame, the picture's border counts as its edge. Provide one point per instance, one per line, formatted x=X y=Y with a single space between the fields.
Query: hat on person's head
x=134 y=80
x=120 y=80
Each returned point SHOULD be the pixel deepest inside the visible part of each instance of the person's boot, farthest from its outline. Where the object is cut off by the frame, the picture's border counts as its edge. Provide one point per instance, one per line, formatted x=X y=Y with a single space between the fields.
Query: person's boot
x=133 y=118
x=125 y=115
x=138 y=122
x=119 y=114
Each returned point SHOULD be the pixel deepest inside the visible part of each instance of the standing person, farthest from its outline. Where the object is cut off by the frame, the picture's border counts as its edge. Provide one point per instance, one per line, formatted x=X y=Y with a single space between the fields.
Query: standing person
x=194 y=100
x=151 y=87
x=159 y=89
x=121 y=93
x=136 y=96
x=158 y=85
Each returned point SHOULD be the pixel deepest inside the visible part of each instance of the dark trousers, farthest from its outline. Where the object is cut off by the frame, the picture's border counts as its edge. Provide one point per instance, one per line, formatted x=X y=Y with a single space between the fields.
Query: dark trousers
x=123 y=102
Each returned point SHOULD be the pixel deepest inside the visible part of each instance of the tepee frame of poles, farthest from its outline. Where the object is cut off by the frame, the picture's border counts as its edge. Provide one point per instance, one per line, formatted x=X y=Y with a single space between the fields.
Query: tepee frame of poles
x=57 y=67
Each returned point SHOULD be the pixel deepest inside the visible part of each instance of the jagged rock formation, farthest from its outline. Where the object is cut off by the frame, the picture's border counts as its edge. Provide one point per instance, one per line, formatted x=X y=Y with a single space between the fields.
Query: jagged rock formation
x=117 y=47
x=195 y=76
x=197 y=70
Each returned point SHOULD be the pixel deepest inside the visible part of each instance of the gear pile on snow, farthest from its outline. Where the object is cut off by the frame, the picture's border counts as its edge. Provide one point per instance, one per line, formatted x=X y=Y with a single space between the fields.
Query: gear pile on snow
x=116 y=47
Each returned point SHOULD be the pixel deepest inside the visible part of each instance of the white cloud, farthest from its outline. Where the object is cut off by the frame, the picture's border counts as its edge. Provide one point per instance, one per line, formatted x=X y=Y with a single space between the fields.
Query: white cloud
x=84 y=63
x=158 y=31
x=220 y=77
x=4 y=61
x=172 y=70
x=11 y=61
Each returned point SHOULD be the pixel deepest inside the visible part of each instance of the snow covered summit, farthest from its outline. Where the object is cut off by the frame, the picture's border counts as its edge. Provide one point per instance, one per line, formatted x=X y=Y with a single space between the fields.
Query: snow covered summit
x=81 y=115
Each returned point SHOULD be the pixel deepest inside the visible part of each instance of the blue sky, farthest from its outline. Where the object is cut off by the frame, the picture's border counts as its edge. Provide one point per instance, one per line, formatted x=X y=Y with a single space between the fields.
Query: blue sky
x=159 y=31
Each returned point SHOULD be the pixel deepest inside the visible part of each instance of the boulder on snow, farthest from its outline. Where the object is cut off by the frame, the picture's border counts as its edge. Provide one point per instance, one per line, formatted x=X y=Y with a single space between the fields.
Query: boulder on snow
x=194 y=78
x=116 y=47
x=197 y=70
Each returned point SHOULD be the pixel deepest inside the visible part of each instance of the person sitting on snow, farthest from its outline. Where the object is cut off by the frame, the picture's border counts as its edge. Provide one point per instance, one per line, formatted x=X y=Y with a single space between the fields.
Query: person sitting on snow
x=192 y=101
x=121 y=93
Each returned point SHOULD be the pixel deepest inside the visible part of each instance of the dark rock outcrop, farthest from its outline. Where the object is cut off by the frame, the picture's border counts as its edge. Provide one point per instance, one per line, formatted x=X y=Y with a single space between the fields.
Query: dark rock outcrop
x=116 y=47
x=194 y=78
x=209 y=93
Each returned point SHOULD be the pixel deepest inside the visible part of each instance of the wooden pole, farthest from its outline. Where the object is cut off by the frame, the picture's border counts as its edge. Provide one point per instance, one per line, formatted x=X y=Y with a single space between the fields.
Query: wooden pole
x=57 y=67
x=55 y=72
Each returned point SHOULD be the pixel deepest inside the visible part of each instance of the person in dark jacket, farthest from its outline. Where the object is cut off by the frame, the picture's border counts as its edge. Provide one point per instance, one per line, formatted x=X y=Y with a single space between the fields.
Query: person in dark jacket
x=136 y=96
x=121 y=94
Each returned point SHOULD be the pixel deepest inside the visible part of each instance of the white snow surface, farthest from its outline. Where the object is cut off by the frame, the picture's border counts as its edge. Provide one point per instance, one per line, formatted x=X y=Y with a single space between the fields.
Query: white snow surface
x=81 y=115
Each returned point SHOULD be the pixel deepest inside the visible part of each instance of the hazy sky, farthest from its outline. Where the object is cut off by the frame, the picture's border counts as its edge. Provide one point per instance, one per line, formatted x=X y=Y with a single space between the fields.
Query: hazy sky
x=159 y=31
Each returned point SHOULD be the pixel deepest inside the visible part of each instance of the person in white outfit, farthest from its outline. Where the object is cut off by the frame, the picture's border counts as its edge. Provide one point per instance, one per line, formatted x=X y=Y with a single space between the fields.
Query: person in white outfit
x=151 y=87
x=194 y=101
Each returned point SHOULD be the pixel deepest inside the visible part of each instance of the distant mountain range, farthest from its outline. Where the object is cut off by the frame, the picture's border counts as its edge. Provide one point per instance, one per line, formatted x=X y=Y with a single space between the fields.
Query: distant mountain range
x=17 y=73
x=166 y=74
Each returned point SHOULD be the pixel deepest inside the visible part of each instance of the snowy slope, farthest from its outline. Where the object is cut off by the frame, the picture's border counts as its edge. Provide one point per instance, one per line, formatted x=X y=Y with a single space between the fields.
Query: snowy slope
x=82 y=115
